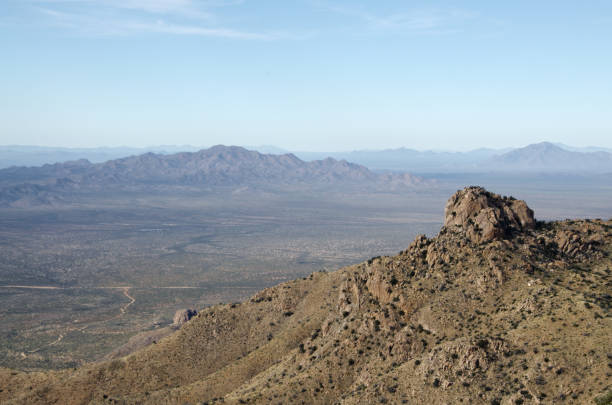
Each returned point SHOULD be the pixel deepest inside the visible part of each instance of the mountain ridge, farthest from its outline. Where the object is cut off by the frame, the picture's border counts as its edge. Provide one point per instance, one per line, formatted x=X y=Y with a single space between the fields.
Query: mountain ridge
x=398 y=159
x=497 y=308
x=218 y=166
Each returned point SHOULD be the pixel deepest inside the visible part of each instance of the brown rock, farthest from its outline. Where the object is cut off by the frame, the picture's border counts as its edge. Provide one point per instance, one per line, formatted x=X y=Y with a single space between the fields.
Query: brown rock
x=485 y=216
x=182 y=316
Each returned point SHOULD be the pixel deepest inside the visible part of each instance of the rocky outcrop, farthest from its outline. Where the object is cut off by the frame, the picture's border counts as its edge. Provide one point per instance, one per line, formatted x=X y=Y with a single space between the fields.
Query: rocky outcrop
x=182 y=316
x=484 y=216
x=578 y=243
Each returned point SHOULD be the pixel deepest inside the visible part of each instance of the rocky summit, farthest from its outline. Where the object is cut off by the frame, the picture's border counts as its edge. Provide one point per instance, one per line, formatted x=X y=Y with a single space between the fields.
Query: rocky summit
x=485 y=216
x=498 y=308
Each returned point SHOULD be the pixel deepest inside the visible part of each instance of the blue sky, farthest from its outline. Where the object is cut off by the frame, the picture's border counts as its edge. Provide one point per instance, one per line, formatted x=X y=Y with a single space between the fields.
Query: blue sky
x=305 y=74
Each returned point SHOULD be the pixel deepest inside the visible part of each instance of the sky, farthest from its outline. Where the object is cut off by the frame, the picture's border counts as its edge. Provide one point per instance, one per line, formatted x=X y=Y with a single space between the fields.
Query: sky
x=316 y=75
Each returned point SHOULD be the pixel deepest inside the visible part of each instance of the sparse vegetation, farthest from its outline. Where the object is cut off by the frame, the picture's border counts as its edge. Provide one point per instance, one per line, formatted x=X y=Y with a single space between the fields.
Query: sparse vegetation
x=487 y=337
x=605 y=399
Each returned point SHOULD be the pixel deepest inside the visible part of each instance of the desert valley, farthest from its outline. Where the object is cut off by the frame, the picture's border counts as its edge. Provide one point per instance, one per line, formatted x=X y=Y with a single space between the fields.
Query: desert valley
x=309 y=202
x=291 y=274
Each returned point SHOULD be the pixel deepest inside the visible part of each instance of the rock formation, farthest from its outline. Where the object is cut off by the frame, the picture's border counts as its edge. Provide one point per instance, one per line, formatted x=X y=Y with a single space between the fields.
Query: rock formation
x=484 y=216
x=182 y=316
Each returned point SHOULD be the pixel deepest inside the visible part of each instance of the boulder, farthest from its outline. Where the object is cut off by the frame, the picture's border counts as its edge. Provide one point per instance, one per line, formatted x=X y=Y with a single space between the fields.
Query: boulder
x=485 y=216
x=182 y=316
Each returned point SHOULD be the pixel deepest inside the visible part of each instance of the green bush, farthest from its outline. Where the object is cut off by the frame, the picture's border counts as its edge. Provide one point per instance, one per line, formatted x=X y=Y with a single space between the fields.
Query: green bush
x=605 y=399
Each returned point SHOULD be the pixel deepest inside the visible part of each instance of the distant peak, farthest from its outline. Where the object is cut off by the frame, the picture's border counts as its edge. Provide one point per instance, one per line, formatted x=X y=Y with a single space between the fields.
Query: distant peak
x=543 y=146
x=224 y=148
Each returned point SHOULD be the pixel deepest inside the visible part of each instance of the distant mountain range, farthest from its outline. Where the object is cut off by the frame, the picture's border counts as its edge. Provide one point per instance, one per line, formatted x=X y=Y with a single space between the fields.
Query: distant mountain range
x=546 y=157
x=542 y=157
x=412 y=160
x=19 y=155
x=217 y=167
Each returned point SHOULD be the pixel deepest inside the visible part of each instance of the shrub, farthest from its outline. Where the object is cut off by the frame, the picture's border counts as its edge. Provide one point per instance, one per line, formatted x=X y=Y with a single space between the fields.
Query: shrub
x=605 y=399
x=482 y=343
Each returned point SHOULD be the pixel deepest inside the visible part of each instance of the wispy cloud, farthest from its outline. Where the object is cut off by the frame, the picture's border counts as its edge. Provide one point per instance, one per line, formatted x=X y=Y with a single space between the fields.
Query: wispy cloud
x=420 y=21
x=189 y=8
x=132 y=17
x=165 y=28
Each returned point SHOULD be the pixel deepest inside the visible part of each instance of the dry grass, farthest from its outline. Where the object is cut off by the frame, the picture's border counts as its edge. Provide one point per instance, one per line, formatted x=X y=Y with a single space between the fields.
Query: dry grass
x=510 y=322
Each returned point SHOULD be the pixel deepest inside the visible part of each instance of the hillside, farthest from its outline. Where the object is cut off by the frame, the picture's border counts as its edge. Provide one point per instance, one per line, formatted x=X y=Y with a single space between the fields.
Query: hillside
x=214 y=168
x=496 y=309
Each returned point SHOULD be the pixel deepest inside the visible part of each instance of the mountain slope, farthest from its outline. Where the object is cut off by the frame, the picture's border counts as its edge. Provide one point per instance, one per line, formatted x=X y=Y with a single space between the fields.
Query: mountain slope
x=496 y=309
x=219 y=166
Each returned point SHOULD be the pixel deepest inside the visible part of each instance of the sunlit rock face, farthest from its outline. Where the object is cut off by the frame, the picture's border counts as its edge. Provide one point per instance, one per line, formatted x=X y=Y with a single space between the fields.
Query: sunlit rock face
x=183 y=316
x=484 y=216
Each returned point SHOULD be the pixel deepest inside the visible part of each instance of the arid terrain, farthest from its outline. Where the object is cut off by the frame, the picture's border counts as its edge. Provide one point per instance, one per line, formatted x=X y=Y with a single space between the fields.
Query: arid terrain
x=497 y=308
x=172 y=253
x=92 y=256
x=314 y=202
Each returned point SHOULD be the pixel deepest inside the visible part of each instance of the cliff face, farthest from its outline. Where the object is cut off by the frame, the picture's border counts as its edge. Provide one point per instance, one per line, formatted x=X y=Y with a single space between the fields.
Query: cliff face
x=496 y=309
